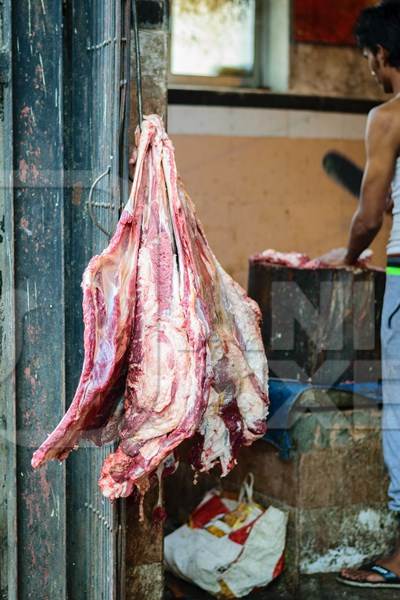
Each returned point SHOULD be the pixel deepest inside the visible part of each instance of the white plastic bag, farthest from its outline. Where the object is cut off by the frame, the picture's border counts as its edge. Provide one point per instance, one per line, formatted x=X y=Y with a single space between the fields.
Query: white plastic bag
x=229 y=546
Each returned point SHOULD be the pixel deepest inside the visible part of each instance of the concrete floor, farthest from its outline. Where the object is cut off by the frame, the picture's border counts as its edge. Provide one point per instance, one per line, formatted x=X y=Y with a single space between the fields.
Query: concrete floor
x=316 y=587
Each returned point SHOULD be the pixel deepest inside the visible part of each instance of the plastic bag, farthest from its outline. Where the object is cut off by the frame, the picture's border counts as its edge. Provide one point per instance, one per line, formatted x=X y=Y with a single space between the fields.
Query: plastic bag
x=229 y=547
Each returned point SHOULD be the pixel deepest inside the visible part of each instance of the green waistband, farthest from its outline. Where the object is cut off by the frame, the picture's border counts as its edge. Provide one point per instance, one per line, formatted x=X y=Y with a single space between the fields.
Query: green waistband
x=393 y=270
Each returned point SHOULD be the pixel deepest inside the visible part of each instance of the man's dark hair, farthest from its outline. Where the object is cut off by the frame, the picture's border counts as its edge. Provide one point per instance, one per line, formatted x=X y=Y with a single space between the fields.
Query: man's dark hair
x=380 y=26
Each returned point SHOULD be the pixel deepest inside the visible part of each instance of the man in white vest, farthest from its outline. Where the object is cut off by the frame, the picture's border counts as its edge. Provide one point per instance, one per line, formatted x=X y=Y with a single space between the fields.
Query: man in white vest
x=378 y=35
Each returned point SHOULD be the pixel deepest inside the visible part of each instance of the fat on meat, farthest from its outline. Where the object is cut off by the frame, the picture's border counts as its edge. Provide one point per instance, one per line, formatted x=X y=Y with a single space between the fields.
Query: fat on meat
x=168 y=333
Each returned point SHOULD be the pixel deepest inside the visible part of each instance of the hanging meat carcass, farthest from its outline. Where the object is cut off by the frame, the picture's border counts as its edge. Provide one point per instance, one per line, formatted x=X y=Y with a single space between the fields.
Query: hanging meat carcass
x=167 y=331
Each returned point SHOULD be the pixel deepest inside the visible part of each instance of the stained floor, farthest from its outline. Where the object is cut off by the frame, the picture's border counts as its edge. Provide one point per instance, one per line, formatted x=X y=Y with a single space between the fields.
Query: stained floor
x=317 y=587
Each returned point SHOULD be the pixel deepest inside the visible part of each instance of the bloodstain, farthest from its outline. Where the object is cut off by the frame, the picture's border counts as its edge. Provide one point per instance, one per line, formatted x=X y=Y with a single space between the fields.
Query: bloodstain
x=34 y=173
x=32 y=333
x=77 y=193
x=234 y=423
x=196 y=450
x=25 y=112
x=28 y=172
x=23 y=170
x=159 y=515
x=44 y=484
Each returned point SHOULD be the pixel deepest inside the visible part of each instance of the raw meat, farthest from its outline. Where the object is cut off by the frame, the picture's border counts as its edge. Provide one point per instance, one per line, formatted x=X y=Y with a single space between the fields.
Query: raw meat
x=169 y=331
x=287 y=259
x=297 y=260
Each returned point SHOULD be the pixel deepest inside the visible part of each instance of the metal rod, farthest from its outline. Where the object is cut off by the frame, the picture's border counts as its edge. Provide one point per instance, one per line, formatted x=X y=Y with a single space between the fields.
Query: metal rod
x=90 y=205
x=138 y=64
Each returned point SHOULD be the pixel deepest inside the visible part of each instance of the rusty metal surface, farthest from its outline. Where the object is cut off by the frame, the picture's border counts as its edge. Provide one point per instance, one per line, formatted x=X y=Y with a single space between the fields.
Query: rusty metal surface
x=39 y=272
x=94 y=534
x=58 y=537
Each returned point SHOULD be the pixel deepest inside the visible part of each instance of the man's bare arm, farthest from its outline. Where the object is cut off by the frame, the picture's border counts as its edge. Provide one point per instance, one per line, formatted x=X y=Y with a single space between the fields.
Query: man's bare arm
x=381 y=148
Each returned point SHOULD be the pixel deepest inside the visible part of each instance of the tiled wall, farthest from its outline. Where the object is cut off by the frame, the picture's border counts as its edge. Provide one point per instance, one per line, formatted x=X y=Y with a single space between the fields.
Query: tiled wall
x=256 y=122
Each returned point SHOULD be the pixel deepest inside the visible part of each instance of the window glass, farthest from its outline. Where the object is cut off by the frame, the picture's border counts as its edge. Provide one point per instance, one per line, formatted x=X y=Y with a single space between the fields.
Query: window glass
x=213 y=38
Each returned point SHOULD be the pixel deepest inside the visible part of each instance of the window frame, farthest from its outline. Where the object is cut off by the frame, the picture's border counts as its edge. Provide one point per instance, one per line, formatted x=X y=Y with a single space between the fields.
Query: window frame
x=255 y=80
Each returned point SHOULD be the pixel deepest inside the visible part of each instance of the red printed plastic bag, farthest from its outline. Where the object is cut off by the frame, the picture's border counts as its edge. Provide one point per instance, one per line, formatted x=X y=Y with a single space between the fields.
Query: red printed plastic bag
x=229 y=547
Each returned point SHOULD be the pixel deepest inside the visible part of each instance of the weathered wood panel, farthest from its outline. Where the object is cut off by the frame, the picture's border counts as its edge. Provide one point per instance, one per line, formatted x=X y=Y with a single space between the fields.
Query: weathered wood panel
x=69 y=128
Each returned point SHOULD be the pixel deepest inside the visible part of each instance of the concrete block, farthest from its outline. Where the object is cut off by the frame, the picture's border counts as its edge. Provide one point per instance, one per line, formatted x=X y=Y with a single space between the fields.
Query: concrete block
x=154 y=53
x=144 y=540
x=146 y=583
x=331 y=538
x=144 y=569
x=145 y=537
x=274 y=477
x=343 y=476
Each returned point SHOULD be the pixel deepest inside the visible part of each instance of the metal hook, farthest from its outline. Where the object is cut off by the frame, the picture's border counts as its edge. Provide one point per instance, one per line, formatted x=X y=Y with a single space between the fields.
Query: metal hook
x=90 y=205
x=138 y=64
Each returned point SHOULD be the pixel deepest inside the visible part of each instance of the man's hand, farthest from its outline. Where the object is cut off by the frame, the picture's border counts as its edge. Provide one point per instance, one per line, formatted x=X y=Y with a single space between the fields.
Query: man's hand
x=339 y=258
x=334 y=258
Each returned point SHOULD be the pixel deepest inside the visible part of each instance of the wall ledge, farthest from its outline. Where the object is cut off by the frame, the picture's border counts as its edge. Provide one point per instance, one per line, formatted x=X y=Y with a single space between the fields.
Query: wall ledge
x=263 y=98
